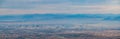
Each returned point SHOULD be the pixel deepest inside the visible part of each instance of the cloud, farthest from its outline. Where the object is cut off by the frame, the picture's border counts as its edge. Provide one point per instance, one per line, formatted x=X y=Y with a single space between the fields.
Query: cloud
x=59 y=6
x=113 y=2
x=68 y=9
x=29 y=4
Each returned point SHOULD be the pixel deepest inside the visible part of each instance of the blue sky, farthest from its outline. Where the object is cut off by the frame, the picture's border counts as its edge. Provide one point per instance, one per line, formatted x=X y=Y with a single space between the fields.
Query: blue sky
x=59 y=6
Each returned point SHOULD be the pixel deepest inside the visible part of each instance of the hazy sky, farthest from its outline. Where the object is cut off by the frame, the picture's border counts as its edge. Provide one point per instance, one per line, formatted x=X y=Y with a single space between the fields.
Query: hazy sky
x=59 y=6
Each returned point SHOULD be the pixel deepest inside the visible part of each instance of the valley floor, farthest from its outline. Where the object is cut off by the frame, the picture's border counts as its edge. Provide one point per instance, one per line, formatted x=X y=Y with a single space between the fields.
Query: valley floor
x=108 y=34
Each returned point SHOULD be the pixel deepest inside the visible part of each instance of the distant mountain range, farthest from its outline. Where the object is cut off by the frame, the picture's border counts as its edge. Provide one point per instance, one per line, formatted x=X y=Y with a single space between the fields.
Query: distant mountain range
x=44 y=17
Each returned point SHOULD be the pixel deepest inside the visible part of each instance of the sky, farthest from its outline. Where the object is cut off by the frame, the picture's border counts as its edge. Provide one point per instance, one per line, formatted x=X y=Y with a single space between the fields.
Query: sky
x=59 y=6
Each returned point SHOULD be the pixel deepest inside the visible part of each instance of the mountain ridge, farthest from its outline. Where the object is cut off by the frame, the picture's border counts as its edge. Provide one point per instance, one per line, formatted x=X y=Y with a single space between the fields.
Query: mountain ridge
x=37 y=17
